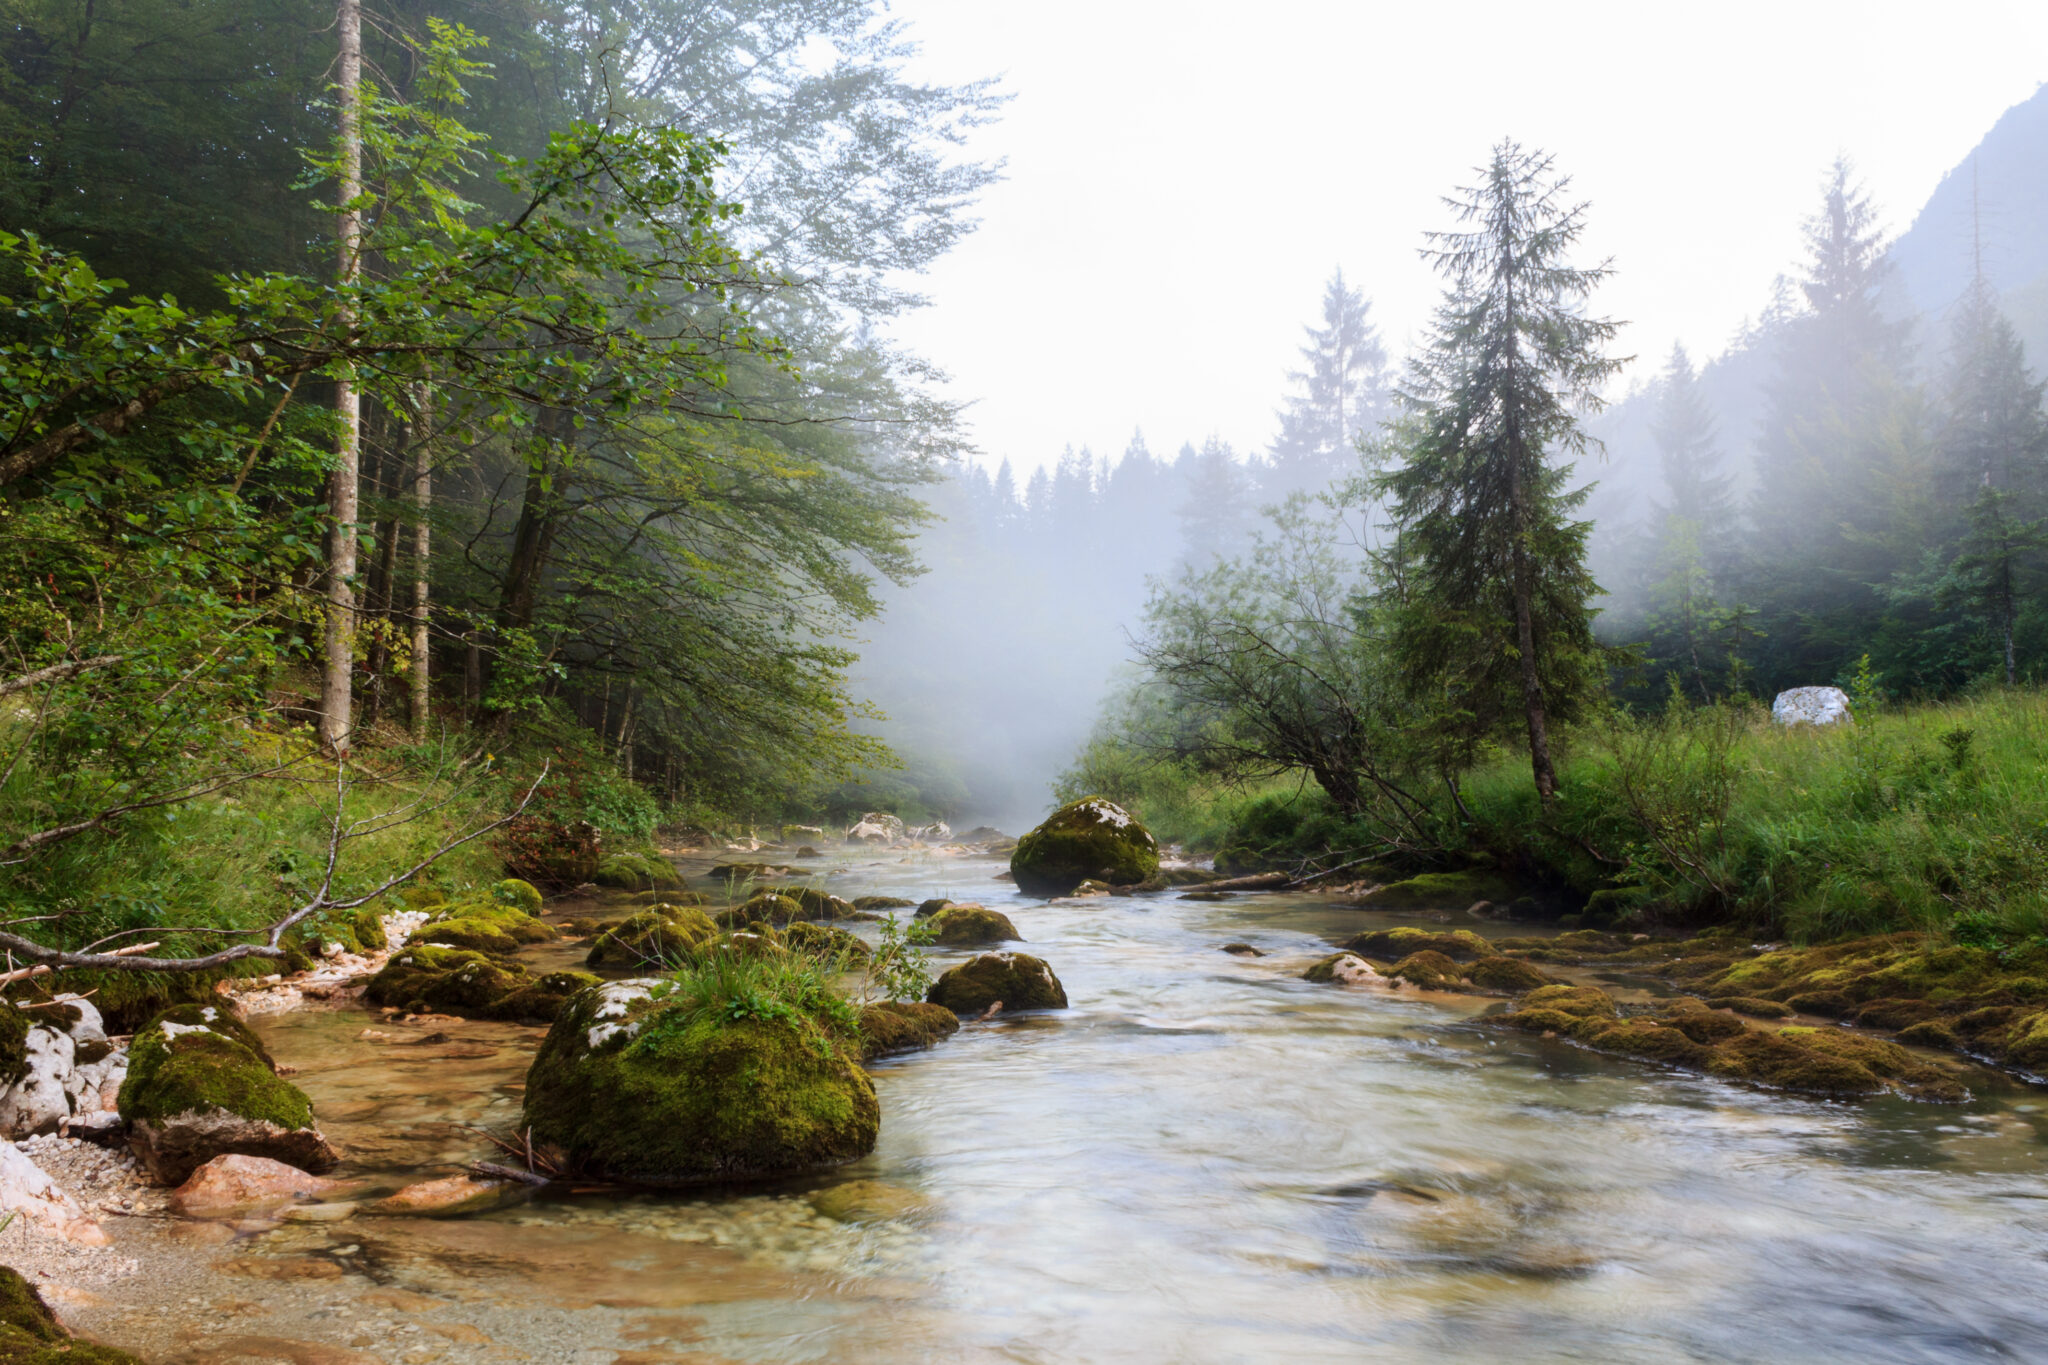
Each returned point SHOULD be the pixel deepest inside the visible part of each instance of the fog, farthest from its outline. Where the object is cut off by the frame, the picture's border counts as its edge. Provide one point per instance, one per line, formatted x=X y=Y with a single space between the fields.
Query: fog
x=993 y=667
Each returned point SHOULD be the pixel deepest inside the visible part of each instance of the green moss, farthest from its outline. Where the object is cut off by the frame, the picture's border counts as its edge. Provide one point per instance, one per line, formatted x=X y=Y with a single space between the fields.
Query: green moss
x=652 y=937
x=519 y=895
x=1540 y=1019
x=972 y=926
x=1614 y=905
x=1018 y=980
x=1089 y=838
x=444 y=980
x=1788 y=1063
x=2027 y=1043
x=484 y=927
x=1581 y=1002
x=1649 y=1040
x=1444 y=891
x=1894 y=1014
x=541 y=999
x=669 y=1096
x=1755 y=1009
x=815 y=904
x=1705 y=1026
x=220 y=1019
x=1832 y=1004
x=1931 y=1033
x=635 y=872
x=904 y=1026
x=1324 y=970
x=30 y=1334
x=825 y=941
x=369 y=927
x=14 y=1027
x=766 y=908
x=173 y=1073
x=1428 y=969
x=881 y=903
x=1389 y=945
x=1500 y=973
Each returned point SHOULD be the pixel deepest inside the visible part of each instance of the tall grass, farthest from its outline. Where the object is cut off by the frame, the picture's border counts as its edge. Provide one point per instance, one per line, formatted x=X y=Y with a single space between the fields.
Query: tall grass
x=724 y=984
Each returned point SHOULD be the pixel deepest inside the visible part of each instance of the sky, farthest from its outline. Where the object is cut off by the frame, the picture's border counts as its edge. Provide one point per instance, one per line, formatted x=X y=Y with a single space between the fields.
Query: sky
x=1183 y=178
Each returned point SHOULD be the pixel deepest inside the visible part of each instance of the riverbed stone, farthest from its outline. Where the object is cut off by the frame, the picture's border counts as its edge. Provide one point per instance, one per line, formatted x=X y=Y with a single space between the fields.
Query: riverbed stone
x=28 y=1192
x=1089 y=839
x=634 y=1083
x=652 y=937
x=972 y=926
x=1017 y=981
x=449 y=1197
x=1345 y=969
x=904 y=1026
x=869 y=1201
x=235 y=1183
x=196 y=1091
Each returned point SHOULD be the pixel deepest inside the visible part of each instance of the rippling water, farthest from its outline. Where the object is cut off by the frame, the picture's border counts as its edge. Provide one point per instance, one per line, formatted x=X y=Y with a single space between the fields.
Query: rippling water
x=1208 y=1159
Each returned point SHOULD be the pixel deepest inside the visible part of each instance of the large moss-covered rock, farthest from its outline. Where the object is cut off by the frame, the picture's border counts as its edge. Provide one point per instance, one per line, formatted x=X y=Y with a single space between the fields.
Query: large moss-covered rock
x=29 y=1334
x=483 y=927
x=1391 y=945
x=904 y=1026
x=766 y=908
x=1017 y=980
x=972 y=926
x=633 y=1084
x=427 y=979
x=635 y=872
x=1089 y=839
x=1444 y=891
x=539 y=1000
x=825 y=941
x=197 y=1090
x=652 y=937
x=515 y=894
x=815 y=904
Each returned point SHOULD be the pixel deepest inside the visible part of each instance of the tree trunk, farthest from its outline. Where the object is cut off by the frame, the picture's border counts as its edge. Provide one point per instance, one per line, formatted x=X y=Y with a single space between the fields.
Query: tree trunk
x=422 y=548
x=338 y=644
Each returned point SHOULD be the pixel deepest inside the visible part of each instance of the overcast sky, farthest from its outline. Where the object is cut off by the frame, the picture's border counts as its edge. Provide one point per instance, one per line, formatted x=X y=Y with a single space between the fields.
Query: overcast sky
x=1184 y=177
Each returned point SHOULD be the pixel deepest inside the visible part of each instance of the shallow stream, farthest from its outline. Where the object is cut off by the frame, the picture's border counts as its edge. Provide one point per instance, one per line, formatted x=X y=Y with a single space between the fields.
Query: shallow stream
x=1206 y=1159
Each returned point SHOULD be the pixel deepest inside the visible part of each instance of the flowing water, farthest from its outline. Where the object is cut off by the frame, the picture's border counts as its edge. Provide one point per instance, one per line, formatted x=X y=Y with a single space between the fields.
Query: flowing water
x=1205 y=1159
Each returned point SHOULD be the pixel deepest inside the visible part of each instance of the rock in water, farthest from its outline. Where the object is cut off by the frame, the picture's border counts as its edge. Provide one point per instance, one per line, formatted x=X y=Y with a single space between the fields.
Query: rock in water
x=200 y=1085
x=1018 y=980
x=1090 y=839
x=636 y=1083
x=875 y=827
x=972 y=926
x=1811 y=706
x=234 y=1184
x=448 y=1197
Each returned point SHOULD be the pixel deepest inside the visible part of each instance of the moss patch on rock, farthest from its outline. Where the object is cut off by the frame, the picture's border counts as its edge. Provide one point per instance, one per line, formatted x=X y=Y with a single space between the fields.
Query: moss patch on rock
x=635 y=1084
x=972 y=926
x=815 y=904
x=635 y=872
x=30 y=1334
x=904 y=1026
x=540 y=1000
x=825 y=941
x=484 y=926
x=517 y=894
x=1391 y=945
x=1444 y=891
x=195 y=1068
x=427 y=979
x=651 y=937
x=881 y=903
x=1018 y=980
x=1092 y=838
x=767 y=908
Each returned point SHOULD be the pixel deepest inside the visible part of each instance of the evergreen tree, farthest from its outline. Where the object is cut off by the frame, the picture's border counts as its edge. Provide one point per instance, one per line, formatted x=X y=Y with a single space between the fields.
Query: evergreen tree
x=1216 y=510
x=1342 y=394
x=1497 y=619
x=1691 y=530
x=1994 y=466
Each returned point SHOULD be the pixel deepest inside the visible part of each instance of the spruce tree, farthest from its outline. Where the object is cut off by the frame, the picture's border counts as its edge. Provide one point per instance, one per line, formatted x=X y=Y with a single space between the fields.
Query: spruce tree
x=1994 y=469
x=1497 y=621
x=1692 y=530
x=1340 y=397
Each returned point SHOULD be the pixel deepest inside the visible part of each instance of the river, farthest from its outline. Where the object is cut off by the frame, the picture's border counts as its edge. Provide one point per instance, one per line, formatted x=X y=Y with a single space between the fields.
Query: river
x=1205 y=1159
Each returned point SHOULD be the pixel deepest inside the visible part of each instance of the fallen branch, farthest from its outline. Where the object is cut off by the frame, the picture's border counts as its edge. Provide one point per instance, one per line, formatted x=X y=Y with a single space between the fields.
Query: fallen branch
x=23 y=973
x=56 y=673
x=496 y=1171
x=1314 y=877
x=1257 y=881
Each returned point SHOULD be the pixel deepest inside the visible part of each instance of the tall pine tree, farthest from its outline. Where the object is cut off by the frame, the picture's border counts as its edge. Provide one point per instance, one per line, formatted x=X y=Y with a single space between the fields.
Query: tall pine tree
x=1341 y=395
x=1498 y=622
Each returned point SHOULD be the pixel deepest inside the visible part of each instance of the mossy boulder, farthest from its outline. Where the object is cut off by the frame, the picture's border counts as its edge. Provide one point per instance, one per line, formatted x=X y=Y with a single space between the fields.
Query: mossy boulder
x=972 y=926
x=1429 y=969
x=1755 y=1009
x=30 y=1334
x=1444 y=891
x=767 y=908
x=517 y=894
x=825 y=941
x=369 y=927
x=634 y=1084
x=1391 y=945
x=428 y=979
x=652 y=937
x=539 y=1000
x=814 y=903
x=195 y=1091
x=881 y=903
x=904 y=1026
x=1090 y=839
x=1017 y=981
x=1346 y=969
x=1508 y=974
x=635 y=872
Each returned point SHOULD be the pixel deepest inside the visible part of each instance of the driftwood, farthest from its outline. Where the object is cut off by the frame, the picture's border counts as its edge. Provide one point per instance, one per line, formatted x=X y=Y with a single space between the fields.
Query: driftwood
x=1257 y=881
x=499 y=1172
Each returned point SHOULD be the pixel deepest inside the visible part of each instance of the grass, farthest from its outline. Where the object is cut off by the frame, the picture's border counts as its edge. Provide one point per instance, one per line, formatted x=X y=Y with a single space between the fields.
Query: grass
x=1930 y=817
x=719 y=984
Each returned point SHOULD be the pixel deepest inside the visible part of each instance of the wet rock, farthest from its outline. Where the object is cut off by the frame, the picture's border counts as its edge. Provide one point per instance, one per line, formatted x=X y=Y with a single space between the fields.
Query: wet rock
x=927 y=909
x=904 y=1026
x=1811 y=706
x=881 y=903
x=1755 y=1009
x=769 y=909
x=197 y=1090
x=971 y=926
x=634 y=1083
x=825 y=941
x=539 y=1000
x=449 y=1197
x=875 y=827
x=1391 y=945
x=1089 y=839
x=57 y=1064
x=1429 y=969
x=635 y=872
x=1501 y=973
x=483 y=926
x=1346 y=969
x=235 y=1184
x=1241 y=950
x=426 y=979
x=30 y=1334
x=869 y=1201
x=814 y=903
x=937 y=832
x=1443 y=891
x=652 y=937
x=1017 y=980
x=27 y=1190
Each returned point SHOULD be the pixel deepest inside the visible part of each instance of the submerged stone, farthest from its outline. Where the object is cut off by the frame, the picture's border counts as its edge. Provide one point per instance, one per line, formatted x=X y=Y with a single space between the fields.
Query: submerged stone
x=904 y=1026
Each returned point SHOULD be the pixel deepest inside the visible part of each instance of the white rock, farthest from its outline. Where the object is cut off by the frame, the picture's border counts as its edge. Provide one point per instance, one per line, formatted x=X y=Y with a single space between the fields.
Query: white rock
x=28 y=1190
x=1354 y=971
x=1811 y=706
x=90 y=1028
x=37 y=1102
